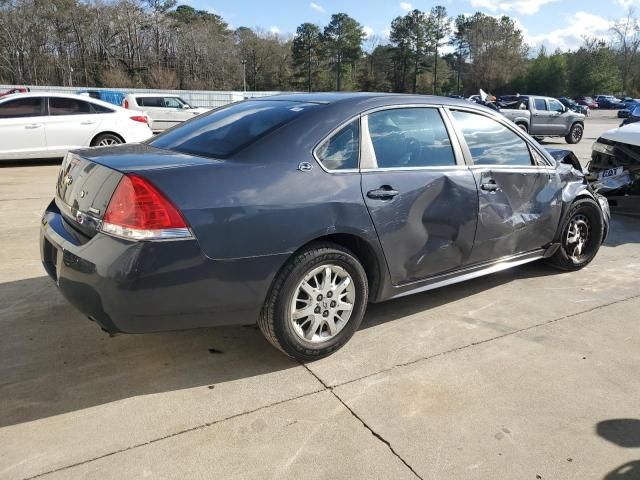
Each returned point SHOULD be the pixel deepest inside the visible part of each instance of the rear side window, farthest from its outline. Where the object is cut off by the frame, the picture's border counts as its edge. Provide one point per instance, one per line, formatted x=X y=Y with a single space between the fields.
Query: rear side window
x=150 y=101
x=225 y=131
x=410 y=137
x=342 y=150
x=95 y=108
x=490 y=142
x=22 y=107
x=540 y=104
x=68 y=106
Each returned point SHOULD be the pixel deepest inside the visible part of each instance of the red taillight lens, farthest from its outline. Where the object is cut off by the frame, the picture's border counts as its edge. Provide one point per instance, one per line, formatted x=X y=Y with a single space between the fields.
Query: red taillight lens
x=138 y=211
x=125 y=104
x=140 y=118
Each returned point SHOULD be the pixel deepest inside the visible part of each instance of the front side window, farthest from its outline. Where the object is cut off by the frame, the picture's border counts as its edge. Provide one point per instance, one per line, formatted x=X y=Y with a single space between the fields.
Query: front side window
x=540 y=104
x=410 y=137
x=174 y=102
x=68 y=106
x=22 y=107
x=342 y=150
x=490 y=142
x=555 y=106
x=227 y=130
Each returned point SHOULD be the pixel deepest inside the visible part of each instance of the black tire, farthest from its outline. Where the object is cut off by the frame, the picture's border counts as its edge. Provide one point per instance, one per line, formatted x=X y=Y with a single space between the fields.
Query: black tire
x=538 y=139
x=274 y=321
x=523 y=127
x=590 y=210
x=106 y=140
x=575 y=134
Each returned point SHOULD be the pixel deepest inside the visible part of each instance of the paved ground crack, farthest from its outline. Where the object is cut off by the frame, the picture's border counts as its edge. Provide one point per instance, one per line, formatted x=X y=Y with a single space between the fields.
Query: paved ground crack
x=364 y=424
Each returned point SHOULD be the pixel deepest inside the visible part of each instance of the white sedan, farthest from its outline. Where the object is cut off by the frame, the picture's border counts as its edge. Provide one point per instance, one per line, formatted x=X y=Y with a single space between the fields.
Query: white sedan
x=47 y=125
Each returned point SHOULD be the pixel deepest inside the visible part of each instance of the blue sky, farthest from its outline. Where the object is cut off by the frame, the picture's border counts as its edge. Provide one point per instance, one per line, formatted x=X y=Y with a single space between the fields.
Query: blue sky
x=554 y=23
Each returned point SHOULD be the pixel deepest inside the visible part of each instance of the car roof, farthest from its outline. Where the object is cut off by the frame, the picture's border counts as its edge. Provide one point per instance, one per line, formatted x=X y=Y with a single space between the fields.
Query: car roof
x=347 y=98
x=84 y=98
x=159 y=94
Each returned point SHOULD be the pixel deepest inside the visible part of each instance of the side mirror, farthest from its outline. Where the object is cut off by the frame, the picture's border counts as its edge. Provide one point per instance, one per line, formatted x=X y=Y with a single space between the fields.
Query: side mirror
x=186 y=107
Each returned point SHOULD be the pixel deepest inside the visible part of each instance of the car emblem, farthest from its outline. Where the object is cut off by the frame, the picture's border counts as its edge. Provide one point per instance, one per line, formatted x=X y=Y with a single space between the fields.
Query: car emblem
x=305 y=167
x=82 y=194
x=68 y=180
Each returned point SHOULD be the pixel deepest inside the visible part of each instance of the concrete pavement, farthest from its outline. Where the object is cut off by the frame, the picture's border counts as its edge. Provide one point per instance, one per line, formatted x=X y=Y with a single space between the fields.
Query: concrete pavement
x=528 y=373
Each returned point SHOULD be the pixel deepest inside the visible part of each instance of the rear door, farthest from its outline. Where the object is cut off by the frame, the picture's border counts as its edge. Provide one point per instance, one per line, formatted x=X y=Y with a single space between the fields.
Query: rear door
x=22 y=128
x=540 y=116
x=71 y=124
x=519 y=190
x=420 y=194
x=161 y=116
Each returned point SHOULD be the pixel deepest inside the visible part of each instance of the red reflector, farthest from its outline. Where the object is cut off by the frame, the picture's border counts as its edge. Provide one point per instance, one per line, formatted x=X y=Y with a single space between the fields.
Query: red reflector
x=137 y=204
x=140 y=118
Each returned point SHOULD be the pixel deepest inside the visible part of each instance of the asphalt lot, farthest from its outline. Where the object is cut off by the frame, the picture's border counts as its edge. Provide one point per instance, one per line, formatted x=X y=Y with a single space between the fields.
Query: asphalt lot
x=526 y=374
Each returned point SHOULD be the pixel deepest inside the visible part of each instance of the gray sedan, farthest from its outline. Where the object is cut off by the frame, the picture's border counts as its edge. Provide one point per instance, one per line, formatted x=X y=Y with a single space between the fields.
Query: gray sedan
x=296 y=211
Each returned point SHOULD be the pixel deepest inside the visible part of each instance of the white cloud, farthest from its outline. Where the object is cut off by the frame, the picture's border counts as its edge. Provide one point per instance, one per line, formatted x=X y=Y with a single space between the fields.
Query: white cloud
x=628 y=3
x=273 y=29
x=406 y=6
x=386 y=33
x=368 y=31
x=317 y=8
x=571 y=36
x=523 y=7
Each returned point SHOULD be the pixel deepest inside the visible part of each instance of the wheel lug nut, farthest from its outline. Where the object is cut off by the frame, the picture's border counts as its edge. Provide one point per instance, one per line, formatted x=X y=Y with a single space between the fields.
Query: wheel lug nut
x=319 y=298
x=333 y=304
x=325 y=313
x=317 y=310
x=329 y=294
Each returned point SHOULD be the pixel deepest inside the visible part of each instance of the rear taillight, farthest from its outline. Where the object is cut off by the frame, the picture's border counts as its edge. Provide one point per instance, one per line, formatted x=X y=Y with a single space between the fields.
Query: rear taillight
x=138 y=211
x=125 y=103
x=140 y=118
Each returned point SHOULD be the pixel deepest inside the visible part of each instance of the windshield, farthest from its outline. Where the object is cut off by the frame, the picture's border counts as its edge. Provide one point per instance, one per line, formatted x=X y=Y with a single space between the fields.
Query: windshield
x=227 y=130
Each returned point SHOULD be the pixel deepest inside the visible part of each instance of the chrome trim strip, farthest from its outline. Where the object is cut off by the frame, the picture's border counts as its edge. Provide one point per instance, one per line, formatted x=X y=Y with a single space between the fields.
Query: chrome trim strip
x=473 y=272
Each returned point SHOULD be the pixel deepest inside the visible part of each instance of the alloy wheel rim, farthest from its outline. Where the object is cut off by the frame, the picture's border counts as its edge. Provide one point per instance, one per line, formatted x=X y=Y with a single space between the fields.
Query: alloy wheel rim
x=106 y=142
x=578 y=233
x=577 y=133
x=322 y=303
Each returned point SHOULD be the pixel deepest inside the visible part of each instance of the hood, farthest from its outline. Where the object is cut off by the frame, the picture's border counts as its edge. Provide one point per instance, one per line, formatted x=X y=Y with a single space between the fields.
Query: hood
x=629 y=134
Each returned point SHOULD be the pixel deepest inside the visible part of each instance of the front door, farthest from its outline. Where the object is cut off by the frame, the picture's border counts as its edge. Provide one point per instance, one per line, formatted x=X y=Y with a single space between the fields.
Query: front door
x=540 y=116
x=22 y=128
x=519 y=194
x=420 y=195
x=558 y=117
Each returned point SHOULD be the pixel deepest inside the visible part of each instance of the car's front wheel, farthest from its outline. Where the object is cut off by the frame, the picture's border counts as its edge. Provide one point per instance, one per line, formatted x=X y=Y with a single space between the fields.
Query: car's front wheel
x=575 y=134
x=316 y=302
x=581 y=236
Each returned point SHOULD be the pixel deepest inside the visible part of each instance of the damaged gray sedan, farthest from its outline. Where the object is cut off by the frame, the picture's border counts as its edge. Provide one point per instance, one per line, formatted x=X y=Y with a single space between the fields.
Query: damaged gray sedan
x=296 y=211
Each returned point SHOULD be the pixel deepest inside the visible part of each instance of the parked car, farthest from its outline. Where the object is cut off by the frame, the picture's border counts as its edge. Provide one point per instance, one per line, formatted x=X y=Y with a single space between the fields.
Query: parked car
x=109 y=96
x=573 y=106
x=165 y=111
x=629 y=107
x=634 y=116
x=615 y=166
x=609 y=102
x=588 y=102
x=298 y=210
x=47 y=125
x=14 y=90
x=545 y=117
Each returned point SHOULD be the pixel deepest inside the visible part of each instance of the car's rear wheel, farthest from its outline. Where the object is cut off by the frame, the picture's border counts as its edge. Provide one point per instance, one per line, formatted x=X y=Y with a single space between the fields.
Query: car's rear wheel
x=575 y=134
x=523 y=127
x=316 y=302
x=581 y=236
x=106 y=140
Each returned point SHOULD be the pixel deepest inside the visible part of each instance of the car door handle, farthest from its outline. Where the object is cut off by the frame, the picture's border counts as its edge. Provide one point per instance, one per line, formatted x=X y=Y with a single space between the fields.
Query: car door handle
x=385 y=192
x=490 y=186
x=32 y=126
x=88 y=122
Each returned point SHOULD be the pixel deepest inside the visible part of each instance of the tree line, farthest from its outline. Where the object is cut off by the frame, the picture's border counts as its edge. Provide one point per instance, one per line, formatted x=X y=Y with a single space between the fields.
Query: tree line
x=159 y=44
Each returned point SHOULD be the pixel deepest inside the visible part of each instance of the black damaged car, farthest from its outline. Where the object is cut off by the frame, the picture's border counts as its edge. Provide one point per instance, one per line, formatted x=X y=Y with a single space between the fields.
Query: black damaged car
x=296 y=211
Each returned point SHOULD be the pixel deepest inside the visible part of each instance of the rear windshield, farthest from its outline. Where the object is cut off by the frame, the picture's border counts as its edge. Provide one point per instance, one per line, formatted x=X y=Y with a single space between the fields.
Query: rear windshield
x=227 y=130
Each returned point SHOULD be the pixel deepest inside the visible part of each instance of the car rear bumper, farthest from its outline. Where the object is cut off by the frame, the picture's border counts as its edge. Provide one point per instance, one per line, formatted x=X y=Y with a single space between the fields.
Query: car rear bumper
x=138 y=287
